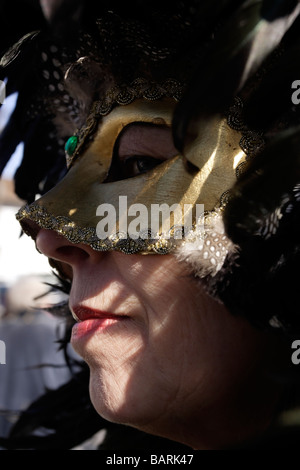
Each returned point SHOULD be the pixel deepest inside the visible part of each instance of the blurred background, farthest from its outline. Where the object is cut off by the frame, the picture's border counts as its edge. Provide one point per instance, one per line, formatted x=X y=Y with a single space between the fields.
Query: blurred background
x=34 y=362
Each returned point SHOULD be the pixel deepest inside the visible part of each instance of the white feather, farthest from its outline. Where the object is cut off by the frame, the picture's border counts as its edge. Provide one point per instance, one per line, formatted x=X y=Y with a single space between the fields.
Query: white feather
x=205 y=248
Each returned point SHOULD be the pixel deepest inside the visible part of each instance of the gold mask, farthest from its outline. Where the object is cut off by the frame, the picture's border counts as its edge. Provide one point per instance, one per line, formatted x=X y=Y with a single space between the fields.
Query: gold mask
x=200 y=178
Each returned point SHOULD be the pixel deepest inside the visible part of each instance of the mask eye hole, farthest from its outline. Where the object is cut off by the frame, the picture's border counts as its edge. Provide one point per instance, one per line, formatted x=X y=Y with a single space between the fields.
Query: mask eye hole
x=139 y=148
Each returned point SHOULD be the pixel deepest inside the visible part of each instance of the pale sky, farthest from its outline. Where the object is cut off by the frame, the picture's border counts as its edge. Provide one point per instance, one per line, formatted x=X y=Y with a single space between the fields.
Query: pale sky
x=18 y=256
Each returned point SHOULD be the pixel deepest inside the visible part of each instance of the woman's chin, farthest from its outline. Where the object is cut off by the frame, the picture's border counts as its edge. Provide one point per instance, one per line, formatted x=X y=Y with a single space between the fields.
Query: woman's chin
x=122 y=403
x=109 y=397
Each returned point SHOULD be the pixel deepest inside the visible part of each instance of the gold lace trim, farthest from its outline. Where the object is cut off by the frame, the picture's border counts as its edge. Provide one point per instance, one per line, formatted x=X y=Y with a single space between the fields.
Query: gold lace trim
x=251 y=142
x=67 y=228
x=145 y=244
x=138 y=89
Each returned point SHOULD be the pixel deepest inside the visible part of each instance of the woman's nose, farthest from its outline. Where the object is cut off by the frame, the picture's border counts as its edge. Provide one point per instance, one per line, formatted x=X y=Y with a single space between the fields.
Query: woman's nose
x=56 y=246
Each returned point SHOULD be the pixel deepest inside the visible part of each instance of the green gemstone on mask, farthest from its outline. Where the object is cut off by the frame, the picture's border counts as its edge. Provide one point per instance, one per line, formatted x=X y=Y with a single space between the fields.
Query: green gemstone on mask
x=71 y=145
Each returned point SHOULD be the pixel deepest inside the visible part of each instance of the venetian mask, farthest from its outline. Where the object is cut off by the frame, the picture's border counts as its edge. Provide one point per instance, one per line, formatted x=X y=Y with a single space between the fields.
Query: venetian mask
x=173 y=202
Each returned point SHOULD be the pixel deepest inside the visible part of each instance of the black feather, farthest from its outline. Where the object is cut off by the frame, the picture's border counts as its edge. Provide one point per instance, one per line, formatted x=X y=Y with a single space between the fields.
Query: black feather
x=240 y=47
x=264 y=187
x=67 y=410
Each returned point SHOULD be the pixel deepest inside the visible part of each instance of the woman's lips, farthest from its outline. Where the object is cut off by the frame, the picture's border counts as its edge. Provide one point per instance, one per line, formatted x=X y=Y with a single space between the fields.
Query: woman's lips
x=82 y=313
x=90 y=321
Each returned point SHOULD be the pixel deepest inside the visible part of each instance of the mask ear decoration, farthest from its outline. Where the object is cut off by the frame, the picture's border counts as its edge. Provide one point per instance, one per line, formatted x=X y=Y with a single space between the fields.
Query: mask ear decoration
x=84 y=81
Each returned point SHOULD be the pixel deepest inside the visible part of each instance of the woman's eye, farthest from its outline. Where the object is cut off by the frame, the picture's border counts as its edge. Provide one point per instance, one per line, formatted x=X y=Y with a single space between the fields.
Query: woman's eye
x=140 y=148
x=133 y=166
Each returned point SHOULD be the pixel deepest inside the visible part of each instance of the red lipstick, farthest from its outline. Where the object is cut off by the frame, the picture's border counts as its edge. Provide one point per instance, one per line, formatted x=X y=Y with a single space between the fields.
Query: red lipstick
x=90 y=321
x=82 y=313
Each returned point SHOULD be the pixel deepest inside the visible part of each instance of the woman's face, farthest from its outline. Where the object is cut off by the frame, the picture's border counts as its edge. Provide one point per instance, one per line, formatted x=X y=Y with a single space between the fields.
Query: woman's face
x=164 y=356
